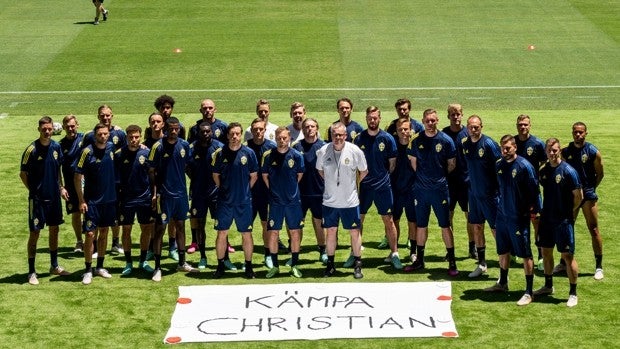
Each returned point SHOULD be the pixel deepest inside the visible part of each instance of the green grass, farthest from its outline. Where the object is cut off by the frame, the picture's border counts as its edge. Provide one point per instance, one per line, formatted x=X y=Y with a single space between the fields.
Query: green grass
x=472 y=52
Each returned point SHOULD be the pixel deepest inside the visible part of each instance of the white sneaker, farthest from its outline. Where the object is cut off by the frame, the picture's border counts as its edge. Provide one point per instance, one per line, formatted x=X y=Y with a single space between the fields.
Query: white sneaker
x=572 y=301
x=598 y=274
x=156 y=275
x=525 y=300
x=268 y=262
x=103 y=273
x=559 y=268
x=87 y=278
x=187 y=268
x=480 y=269
x=32 y=279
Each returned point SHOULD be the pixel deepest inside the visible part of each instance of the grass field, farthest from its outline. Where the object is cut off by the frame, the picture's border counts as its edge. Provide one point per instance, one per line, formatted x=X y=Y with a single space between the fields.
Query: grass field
x=55 y=62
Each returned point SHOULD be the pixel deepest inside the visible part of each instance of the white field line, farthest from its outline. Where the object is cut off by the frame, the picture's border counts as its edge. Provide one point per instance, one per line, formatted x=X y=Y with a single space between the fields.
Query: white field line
x=330 y=89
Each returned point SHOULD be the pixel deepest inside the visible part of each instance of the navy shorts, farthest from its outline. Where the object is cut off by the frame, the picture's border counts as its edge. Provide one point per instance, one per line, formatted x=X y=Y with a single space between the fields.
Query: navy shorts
x=291 y=213
x=482 y=209
x=382 y=198
x=44 y=212
x=404 y=201
x=589 y=194
x=126 y=215
x=559 y=234
x=350 y=217
x=99 y=216
x=260 y=208
x=459 y=194
x=200 y=205
x=314 y=204
x=171 y=208
x=513 y=237
x=437 y=199
x=241 y=214
x=73 y=204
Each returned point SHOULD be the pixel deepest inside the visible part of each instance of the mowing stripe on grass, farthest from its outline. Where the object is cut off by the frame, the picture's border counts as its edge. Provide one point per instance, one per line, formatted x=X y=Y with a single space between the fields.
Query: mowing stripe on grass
x=294 y=89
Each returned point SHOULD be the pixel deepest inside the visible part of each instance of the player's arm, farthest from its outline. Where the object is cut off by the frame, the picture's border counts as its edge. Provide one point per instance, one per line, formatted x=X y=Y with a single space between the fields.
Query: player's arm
x=265 y=178
x=253 y=178
x=299 y=175
x=414 y=162
x=391 y=164
x=153 y=187
x=64 y=194
x=598 y=168
x=23 y=175
x=451 y=164
x=77 y=183
x=577 y=199
x=362 y=175
x=216 y=179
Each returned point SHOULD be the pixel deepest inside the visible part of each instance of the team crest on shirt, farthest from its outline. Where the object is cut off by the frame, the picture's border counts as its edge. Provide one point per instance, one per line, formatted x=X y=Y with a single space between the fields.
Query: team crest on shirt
x=558 y=178
x=36 y=221
x=194 y=211
x=244 y=160
x=346 y=161
x=530 y=151
x=182 y=152
x=218 y=132
x=55 y=154
x=89 y=223
x=163 y=217
x=381 y=146
x=438 y=147
x=584 y=158
x=480 y=152
x=142 y=159
x=514 y=172
x=115 y=139
x=291 y=163
x=271 y=222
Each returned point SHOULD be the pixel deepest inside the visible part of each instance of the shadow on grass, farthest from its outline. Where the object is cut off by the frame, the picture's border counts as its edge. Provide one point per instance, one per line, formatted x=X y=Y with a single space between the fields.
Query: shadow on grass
x=510 y=296
x=85 y=22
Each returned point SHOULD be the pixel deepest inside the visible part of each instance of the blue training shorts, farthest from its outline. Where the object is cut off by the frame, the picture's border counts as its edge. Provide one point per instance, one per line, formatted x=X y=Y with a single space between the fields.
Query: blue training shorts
x=291 y=213
x=241 y=214
x=559 y=234
x=98 y=216
x=44 y=212
x=350 y=217
x=171 y=208
x=513 y=237
x=382 y=198
x=438 y=200
x=482 y=209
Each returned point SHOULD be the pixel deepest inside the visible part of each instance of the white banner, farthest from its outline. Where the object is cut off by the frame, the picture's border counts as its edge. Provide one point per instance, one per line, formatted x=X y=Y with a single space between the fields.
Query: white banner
x=220 y=313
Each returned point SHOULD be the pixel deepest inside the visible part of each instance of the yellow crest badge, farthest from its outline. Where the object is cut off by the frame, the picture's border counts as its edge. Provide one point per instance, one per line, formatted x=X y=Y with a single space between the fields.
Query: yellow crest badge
x=558 y=178
x=291 y=163
x=381 y=146
x=115 y=139
x=438 y=147
x=514 y=172
x=584 y=158
x=244 y=160
x=142 y=159
x=530 y=151
x=480 y=152
x=346 y=161
x=182 y=152
x=55 y=154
